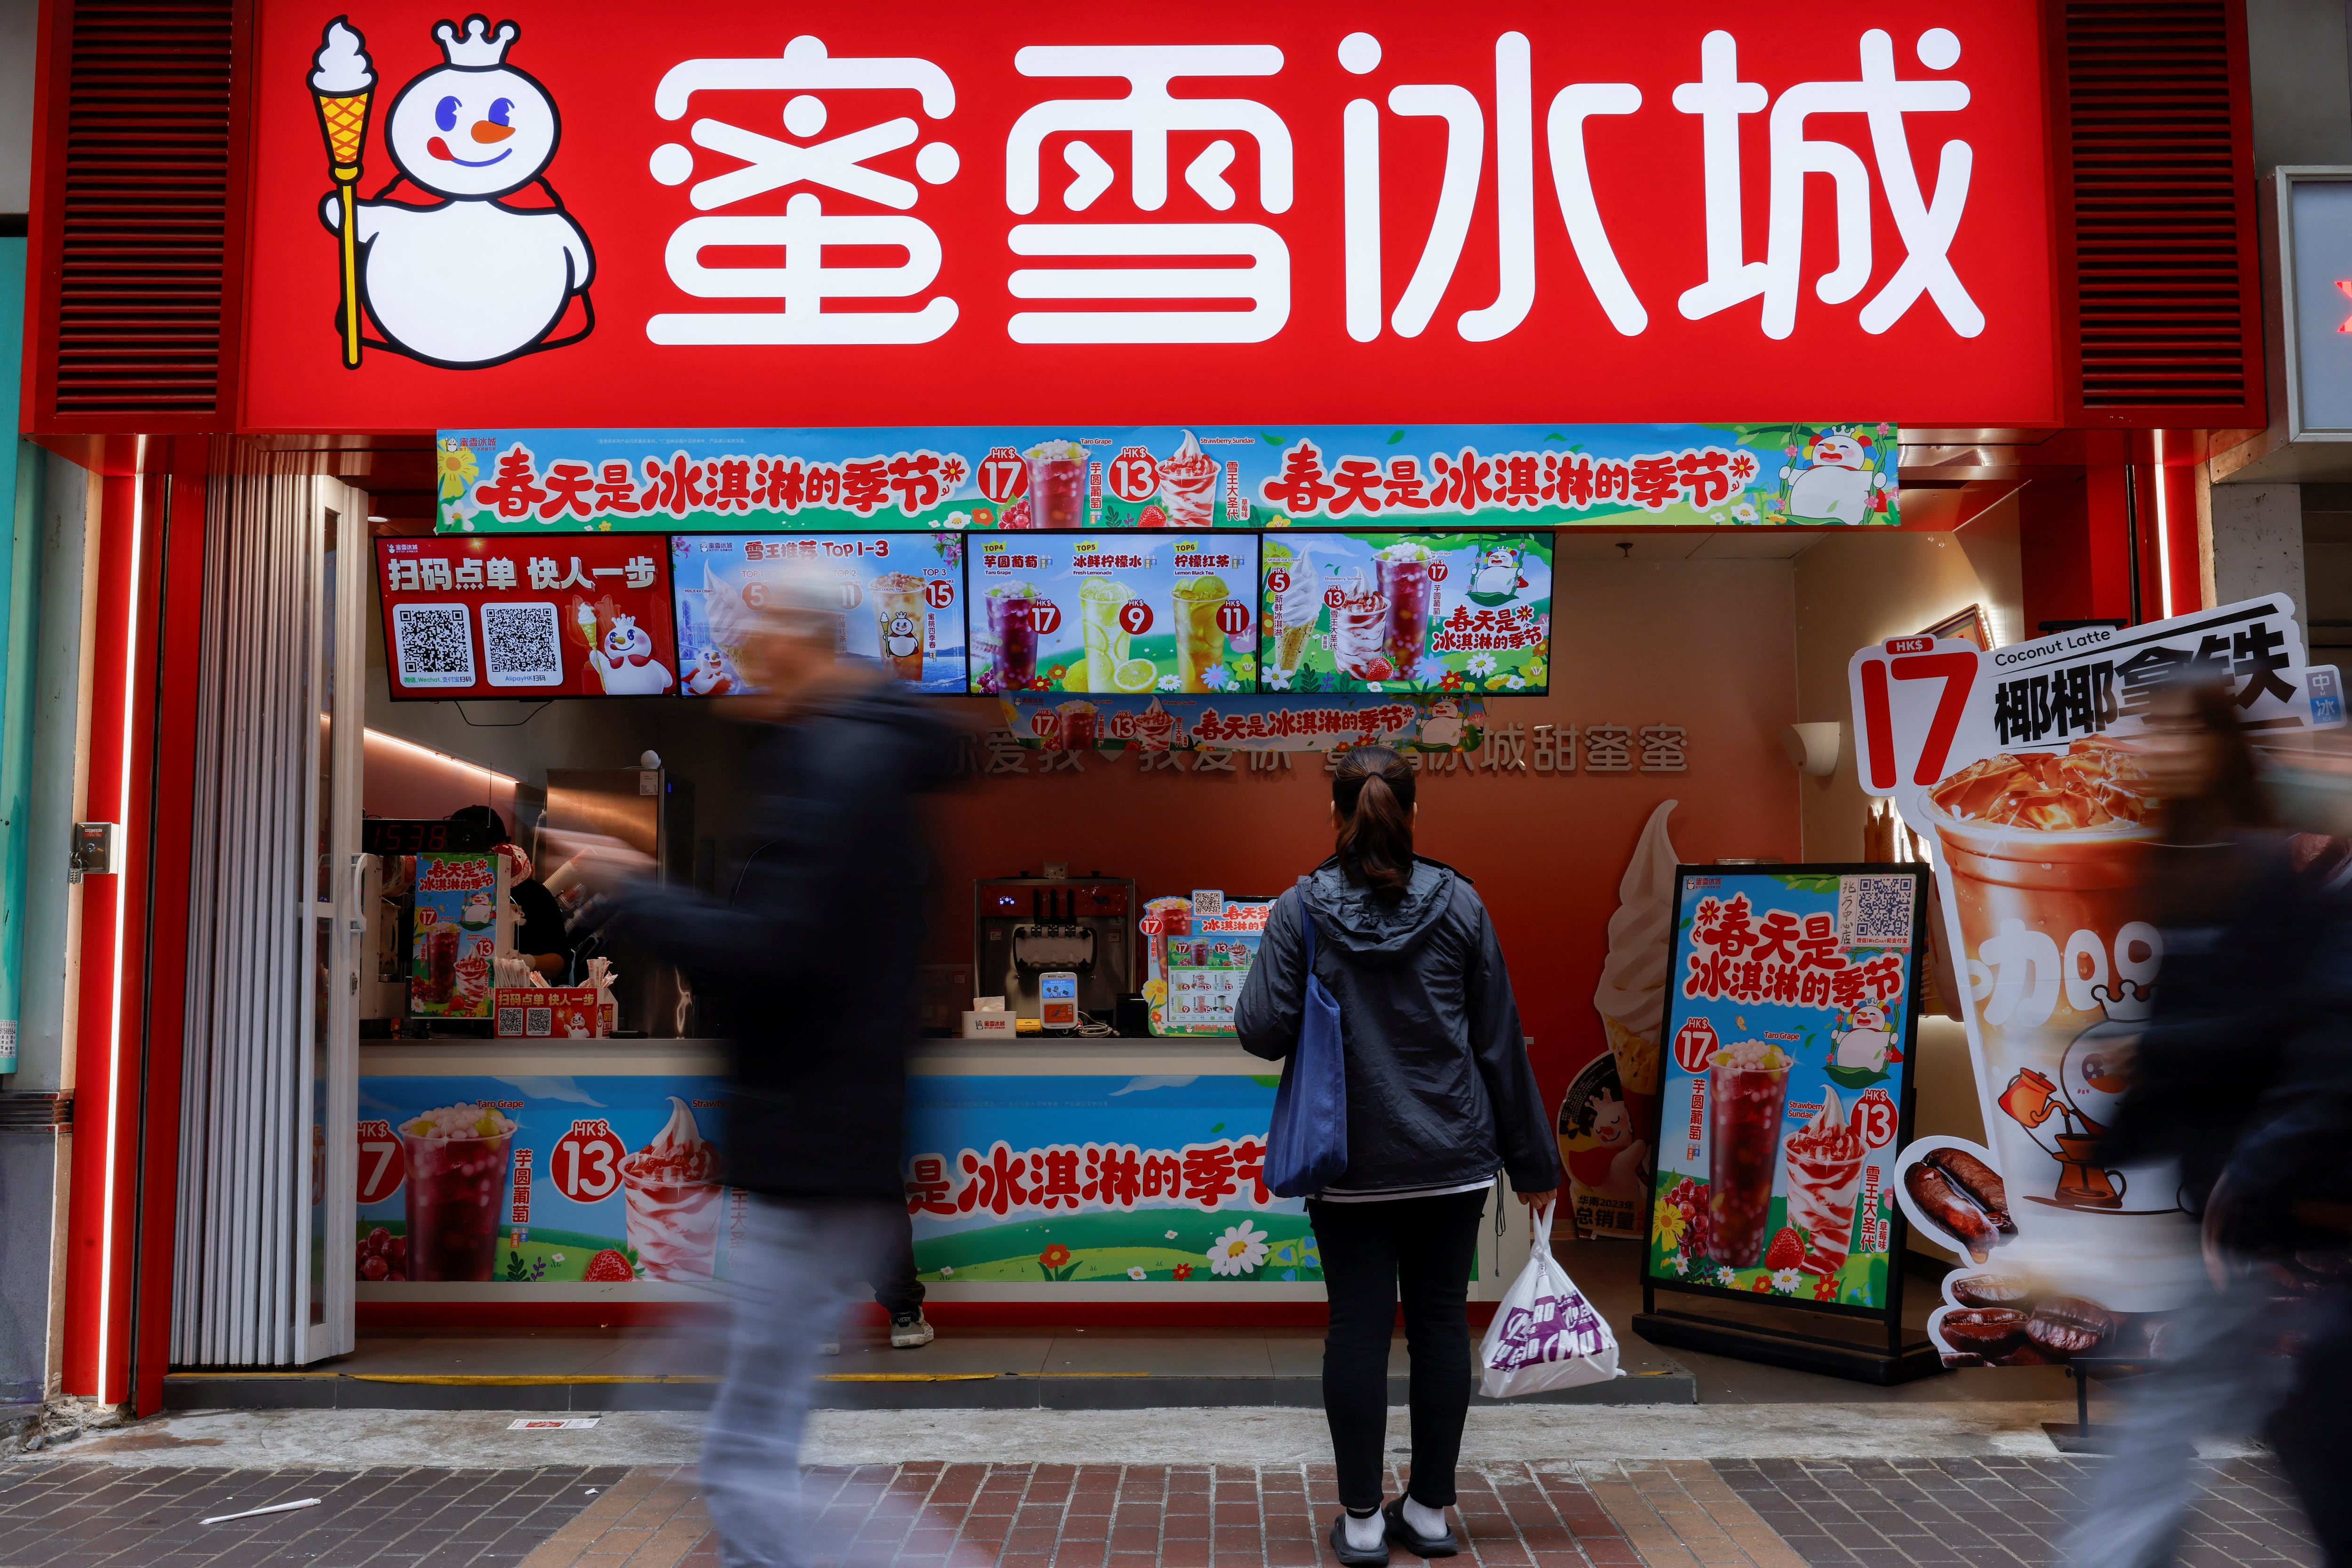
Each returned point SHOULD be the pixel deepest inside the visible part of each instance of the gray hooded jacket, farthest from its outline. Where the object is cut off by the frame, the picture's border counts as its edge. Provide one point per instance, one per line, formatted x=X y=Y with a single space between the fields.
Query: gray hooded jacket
x=1440 y=1090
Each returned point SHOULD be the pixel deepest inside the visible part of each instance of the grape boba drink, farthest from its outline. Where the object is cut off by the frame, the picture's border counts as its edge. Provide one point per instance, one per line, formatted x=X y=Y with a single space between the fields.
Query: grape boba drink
x=1013 y=633
x=1747 y=1086
x=1057 y=484
x=455 y=1190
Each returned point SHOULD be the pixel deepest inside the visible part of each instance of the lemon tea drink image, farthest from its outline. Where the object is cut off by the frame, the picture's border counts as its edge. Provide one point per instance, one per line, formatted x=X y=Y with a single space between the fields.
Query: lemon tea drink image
x=899 y=618
x=1101 y=600
x=455 y=1190
x=1200 y=636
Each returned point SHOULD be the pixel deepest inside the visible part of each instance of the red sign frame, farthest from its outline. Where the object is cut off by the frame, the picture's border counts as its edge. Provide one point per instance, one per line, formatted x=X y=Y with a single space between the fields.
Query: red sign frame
x=524 y=598
x=673 y=186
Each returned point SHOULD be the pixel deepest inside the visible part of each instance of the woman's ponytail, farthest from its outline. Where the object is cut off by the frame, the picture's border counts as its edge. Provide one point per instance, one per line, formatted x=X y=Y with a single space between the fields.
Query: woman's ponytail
x=1372 y=789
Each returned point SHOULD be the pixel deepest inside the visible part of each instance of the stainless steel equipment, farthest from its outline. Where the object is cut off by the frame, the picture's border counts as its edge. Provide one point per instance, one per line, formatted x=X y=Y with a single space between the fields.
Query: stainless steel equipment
x=1025 y=926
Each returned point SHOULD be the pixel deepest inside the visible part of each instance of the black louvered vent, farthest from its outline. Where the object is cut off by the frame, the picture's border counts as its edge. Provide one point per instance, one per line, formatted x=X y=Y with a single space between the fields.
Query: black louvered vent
x=2162 y=245
x=144 y=225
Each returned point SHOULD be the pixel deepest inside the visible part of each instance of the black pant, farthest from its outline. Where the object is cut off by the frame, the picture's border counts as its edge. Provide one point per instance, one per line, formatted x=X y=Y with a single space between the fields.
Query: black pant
x=1427 y=1245
x=898 y=1290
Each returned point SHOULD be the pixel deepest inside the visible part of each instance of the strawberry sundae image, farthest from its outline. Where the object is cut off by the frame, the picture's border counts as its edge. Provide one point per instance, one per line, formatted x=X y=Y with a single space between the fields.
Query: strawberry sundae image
x=1824 y=1164
x=671 y=1188
x=1187 y=486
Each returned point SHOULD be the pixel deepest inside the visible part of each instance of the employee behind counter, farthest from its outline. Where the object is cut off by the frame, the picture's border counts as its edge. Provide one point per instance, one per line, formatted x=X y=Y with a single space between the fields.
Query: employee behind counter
x=540 y=936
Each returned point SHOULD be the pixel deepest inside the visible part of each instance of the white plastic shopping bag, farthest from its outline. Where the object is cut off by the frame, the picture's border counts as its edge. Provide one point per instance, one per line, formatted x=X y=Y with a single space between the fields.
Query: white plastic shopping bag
x=1544 y=1334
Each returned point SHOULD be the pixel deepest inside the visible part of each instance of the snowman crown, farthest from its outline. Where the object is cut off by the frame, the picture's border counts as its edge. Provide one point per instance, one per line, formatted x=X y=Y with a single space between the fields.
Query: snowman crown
x=2126 y=1001
x=476 y=47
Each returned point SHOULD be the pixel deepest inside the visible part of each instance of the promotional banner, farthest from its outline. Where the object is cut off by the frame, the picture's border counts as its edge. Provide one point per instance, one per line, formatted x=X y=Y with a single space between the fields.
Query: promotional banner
x=1149 y=1179
x=1791 y=1004
x=901 y=602
x=2015 y=768
x=526 y=1181
x=1382 y=612
x=580 y=617
x=1245 y=723
x=1164 y=475
x=914 y=212
x=1124 y=612
x=459 y=896
x=1195 y=961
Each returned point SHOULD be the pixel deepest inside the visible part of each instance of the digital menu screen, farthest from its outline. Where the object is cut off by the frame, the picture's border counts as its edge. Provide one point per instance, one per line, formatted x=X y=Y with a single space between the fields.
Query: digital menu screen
x=901 y=602
x=1126 y=614
x=575 y=614
x=1407 y=612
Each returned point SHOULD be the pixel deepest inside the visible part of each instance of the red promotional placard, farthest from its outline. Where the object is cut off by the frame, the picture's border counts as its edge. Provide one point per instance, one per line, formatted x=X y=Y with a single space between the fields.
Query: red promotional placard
x=917 y=213
x=577 y=615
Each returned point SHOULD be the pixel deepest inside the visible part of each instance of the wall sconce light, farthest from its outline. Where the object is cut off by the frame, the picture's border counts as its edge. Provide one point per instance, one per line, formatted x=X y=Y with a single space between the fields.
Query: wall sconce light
x=1814 y=749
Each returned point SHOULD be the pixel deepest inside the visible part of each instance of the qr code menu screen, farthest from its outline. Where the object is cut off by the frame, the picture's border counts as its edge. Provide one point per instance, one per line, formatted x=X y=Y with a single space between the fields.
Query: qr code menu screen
x=521 y=644
x=432 y=644
x=1876 y=911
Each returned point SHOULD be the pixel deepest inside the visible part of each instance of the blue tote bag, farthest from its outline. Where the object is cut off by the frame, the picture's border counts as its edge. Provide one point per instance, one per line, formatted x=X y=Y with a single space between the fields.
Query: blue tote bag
x=1307 y=1149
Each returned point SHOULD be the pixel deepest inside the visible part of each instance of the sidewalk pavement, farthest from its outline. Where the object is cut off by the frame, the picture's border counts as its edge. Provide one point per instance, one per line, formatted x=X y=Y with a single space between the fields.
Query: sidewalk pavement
x=1978 y=1512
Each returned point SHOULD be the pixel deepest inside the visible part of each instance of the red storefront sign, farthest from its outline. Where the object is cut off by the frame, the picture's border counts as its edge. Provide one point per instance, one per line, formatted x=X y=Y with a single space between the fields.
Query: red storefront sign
x=915 y=212
x=580 y=615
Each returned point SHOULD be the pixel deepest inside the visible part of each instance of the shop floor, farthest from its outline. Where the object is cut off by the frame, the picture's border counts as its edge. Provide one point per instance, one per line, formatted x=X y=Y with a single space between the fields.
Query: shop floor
x=1042 y=1366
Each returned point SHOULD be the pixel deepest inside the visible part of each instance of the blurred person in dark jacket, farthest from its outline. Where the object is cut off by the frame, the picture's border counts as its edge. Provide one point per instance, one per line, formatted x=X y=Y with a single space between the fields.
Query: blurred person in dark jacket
x=813 y=961
x=1441 y=1098
x=2256 y=975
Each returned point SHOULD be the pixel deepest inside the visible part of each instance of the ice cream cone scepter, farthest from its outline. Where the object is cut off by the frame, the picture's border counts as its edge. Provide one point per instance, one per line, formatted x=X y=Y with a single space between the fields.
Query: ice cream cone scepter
x=342 y=84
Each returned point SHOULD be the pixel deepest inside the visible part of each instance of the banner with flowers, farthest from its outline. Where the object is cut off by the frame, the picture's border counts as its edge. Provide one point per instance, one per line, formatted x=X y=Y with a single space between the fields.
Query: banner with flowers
x=1168 y=476
x=1144 y=1180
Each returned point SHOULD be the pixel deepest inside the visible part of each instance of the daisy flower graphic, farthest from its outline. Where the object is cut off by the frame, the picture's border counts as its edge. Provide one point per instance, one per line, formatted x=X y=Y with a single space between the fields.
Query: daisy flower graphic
x=1239 y=1251
x=1135 y=1273
x=1168 y=683
x=458 y=470
x=1481 y=664
x=1785 y=1280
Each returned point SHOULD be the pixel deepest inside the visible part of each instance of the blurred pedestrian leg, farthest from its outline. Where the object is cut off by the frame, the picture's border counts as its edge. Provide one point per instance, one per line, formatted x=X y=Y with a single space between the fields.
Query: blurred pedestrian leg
x=797 y=1270
x=2214 y=1374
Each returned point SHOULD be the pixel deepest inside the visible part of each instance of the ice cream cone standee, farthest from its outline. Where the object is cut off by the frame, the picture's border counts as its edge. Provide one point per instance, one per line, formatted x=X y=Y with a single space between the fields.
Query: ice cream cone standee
x=342 y=85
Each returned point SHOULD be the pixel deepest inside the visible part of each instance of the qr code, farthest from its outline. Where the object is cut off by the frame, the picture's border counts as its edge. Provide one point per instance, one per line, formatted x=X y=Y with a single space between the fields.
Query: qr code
x=433 y=645
x=1876 y=911
x=509 y=1022
x=541 y=1024
x=520 y=645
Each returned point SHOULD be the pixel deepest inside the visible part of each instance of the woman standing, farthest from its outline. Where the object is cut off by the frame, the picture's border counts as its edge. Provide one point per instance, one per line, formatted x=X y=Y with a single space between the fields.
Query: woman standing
x=1440 y=1097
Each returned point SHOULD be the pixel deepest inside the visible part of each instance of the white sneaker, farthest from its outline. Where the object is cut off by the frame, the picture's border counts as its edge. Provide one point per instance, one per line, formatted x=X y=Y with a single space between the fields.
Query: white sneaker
x=909 y=1331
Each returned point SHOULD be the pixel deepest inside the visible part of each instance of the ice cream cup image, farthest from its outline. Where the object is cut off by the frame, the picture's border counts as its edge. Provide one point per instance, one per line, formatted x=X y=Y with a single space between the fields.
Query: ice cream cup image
x=1101 y=600
x=1825 y=1175
x=1291 y=612
x=1359 y=624
x=1187 y=486
x=1057 y=484
x=2045 y=855
x=671 y=1191
x=1200 y=639
x=455 y=1190
x=900 y=614
x=1747 y=1086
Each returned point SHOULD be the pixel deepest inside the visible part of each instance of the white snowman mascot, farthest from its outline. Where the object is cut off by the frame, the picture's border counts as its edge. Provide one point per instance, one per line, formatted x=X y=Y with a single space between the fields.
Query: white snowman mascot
x=484 y=266
x=1840 y=487
x=627 y=665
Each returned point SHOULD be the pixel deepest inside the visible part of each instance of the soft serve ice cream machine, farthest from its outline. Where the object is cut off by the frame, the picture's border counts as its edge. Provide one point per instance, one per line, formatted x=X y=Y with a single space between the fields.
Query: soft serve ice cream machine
x=1025 y=926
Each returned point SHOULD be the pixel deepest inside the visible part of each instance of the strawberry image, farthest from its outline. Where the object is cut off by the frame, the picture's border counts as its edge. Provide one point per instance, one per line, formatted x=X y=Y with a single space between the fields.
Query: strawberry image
x=1787 y=1250
x=610 y=1267
x=1153 y=516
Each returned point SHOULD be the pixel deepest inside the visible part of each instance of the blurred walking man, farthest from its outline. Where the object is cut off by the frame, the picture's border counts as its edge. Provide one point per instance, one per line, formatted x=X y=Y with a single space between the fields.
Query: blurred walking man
x=813 y=961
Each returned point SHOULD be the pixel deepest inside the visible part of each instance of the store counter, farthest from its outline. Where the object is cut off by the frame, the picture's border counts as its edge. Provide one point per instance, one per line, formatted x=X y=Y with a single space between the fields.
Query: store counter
x=1111 y=1180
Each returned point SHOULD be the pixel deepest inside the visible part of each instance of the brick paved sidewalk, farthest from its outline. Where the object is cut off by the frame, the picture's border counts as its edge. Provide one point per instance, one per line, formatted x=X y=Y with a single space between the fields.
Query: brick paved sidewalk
x=1926 y=1513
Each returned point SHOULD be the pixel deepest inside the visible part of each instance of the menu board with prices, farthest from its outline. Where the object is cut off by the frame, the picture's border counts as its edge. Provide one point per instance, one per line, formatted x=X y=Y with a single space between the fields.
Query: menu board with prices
x=900 y=594
x=1407 y=612
x=1195 y=963
x=1131 y=614
x=576 y=615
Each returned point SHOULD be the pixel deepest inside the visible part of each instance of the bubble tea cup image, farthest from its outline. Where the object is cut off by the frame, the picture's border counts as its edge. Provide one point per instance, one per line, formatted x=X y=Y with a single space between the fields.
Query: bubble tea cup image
x=900 y=622
x=1747 y=1087
x=455 y=1190
x=1057 y=484
x=1200 y=636
x=1012 y=635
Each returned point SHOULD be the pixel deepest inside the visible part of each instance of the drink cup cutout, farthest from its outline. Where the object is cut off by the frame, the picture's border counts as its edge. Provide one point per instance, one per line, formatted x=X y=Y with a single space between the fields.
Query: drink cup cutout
x=1057 y=485
x=670 y=1191
x=456 y=1191
x=899 y=621
x=1101 y=600
x=1824 y=1171
x=1747 y=1086
x=1200 y=640
x=1013 y=630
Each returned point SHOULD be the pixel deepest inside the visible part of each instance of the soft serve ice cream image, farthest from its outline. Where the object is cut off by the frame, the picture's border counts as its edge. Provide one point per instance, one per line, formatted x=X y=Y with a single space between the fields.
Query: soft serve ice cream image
x=671 y=1188
x=1188 y=485
x=467 y=258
